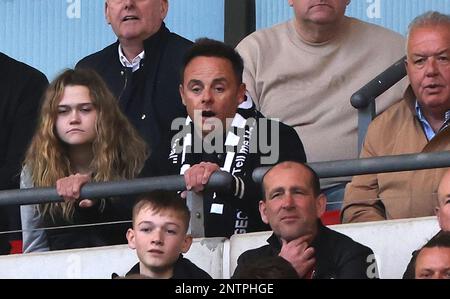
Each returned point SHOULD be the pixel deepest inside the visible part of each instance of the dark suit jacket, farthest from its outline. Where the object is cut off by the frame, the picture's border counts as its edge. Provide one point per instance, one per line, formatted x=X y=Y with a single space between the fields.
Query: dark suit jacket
x=149 y=97
x=20 y=93
x=21 y=90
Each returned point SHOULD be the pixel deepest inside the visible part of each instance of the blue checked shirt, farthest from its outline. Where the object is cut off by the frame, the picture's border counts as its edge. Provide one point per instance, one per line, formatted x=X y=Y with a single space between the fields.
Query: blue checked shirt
x=426 y=125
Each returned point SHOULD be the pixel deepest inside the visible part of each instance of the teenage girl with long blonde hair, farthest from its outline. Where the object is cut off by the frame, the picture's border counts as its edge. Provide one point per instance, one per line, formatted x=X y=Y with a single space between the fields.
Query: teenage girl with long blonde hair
x=82 y=136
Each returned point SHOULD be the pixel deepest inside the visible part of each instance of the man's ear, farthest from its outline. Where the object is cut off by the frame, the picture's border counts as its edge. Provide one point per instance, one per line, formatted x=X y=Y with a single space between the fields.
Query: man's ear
x=406 y=66
x=321 y=204
x=186 y=244
x=131 y=238
x=107 y=13
x=164 y=8
x=262 y=211
x=180 y=89
x=241 y=93
x=436 y=211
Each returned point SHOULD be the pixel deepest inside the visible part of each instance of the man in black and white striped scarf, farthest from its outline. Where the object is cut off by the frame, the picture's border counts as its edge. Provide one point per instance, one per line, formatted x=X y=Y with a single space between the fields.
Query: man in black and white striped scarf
x=218 y=135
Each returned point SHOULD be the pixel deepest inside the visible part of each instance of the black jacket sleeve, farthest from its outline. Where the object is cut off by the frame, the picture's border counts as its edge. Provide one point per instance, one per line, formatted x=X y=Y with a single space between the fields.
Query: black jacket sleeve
x=20 y=95
x=20 y=98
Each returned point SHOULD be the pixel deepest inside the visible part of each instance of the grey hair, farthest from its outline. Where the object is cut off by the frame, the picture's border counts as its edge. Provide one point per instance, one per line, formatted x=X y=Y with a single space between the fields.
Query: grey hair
x=429 y=18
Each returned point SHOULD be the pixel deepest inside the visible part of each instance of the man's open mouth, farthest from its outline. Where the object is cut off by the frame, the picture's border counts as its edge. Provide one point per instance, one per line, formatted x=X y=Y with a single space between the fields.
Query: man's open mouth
x=208 y=114
x=129 y=18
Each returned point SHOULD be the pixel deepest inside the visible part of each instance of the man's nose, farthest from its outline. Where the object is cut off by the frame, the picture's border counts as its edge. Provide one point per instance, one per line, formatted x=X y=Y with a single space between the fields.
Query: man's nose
x=288 y=201
x=128 y=3
x=431 y=67
x=206 y=96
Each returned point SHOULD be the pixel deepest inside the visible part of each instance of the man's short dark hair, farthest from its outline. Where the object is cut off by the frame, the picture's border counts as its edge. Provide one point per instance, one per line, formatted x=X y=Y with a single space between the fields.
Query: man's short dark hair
x=212 y=48
x=442 y=239
x=162 y=200
x=315 y=180
x=273 y=267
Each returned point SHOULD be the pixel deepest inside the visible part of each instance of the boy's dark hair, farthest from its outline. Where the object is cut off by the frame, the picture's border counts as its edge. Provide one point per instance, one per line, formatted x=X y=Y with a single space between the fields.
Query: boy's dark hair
x=162 y=200
x=212 y=48
x=274 y=267
x=315 y=180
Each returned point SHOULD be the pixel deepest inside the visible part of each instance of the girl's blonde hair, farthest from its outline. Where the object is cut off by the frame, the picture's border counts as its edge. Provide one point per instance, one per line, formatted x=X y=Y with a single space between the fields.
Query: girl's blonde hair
x=118 y=151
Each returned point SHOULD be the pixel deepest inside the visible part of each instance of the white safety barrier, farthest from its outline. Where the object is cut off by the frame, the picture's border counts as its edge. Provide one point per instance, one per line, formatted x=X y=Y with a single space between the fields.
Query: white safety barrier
x=392 y=242
x=101 y=262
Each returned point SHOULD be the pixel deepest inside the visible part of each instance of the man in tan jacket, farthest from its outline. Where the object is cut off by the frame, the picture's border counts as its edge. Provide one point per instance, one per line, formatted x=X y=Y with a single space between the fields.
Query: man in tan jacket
x=419 y=123
x=304 y=71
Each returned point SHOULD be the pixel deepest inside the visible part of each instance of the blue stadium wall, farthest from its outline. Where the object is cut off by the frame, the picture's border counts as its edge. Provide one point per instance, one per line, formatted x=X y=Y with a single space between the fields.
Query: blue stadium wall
x=54 y=34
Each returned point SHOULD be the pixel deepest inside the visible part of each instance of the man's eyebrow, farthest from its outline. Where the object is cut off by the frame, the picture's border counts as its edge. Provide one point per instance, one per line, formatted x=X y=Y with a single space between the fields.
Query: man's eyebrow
x=426 y=55
x=195 y=81
x=276 y=189
x=443 y=51
x=220 y=79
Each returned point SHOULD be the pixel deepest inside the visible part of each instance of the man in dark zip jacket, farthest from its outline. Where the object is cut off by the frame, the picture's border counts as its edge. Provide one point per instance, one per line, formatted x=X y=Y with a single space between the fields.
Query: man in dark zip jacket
x=292 y=205
x=20 y=95
x=142 y=67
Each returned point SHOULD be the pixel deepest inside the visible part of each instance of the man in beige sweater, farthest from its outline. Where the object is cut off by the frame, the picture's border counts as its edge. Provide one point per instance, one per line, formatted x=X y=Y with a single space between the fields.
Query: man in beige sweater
x=305 y=70
x=417 y=124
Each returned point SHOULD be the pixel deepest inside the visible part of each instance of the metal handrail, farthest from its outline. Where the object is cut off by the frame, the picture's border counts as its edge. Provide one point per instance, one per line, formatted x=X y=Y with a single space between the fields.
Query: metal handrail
x=223 y=181
x=364 y=98
x=379 y=84
x=383 y=164
x=219 y=181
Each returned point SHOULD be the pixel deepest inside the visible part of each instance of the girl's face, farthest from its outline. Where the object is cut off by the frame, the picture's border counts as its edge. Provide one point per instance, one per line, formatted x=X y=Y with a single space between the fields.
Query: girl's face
x=76 y=116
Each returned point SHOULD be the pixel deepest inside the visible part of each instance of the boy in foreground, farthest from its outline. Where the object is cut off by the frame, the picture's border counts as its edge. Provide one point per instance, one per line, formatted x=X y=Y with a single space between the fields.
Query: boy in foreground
x=159 y=236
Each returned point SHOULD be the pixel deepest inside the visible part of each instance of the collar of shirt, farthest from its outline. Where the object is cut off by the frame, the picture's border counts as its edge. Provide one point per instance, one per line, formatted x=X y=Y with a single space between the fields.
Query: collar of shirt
x=429 y=132
x=134 y=64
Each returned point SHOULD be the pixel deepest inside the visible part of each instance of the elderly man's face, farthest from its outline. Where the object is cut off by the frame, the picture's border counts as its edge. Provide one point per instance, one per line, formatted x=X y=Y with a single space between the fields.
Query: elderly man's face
x=428 y=66
x=135 y=19
x=211 y=92
x=443 y=209
x=319 y=11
